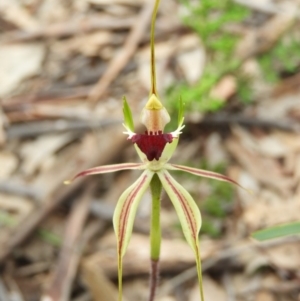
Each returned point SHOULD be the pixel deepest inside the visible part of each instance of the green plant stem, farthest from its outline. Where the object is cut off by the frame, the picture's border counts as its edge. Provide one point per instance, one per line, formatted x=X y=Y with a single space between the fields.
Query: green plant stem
x=199 y=272
x=155 y=234
x=153 y=72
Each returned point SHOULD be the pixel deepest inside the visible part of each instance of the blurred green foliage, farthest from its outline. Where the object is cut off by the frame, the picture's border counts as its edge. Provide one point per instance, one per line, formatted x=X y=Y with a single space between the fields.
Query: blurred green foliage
x=209 y=19
x=218 y=204
x=45 y=235
x=284 y=57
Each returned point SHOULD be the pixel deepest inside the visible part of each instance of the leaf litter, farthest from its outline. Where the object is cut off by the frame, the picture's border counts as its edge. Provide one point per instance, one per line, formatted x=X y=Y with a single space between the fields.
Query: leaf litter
x=47 y=75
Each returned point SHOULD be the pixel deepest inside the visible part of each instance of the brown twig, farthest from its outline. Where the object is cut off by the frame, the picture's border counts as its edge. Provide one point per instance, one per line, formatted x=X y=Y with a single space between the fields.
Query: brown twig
x=36 y=128
x=64 y=273
x=221 y=119
x=3 y=120
x=19 y=188
x=67 y=29
x=120 y=61
x=22 y=102
x=283 y=287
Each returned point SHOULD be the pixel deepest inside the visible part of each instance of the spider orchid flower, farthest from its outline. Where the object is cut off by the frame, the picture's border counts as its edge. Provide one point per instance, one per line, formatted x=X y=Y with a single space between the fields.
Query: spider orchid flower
x=155 y=148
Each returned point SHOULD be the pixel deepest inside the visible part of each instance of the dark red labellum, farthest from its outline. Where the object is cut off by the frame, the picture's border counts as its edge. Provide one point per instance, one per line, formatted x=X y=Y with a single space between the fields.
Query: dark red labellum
x=152 y=145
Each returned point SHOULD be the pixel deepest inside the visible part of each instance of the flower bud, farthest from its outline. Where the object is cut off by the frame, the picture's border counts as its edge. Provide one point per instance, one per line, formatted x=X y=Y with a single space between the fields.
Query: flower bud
x=154 y=115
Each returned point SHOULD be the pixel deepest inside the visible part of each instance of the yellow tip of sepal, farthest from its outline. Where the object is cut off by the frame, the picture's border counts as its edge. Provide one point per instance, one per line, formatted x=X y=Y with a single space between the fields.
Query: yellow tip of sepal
x=67 y=182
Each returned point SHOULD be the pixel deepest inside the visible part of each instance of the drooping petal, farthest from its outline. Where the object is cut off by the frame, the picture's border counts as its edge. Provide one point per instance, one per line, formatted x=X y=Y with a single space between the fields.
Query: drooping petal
x=106 y=169
x=124 y=217
x=202 y=173
x=186 y=208
x=188 y=213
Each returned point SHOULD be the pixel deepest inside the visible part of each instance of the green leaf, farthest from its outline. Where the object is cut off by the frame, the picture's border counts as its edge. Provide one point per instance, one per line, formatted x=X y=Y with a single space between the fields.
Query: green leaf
x=124 y=217
x=128 y=121
x=50 y=237
x=180 y=112
x=188 y=214
x=278 y=231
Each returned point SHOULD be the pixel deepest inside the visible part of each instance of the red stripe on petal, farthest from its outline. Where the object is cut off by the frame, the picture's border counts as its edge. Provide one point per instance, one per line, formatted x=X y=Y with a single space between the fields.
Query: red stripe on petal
x=205 y=173
x=126 y=209
x=190 y=217
x=106 y=169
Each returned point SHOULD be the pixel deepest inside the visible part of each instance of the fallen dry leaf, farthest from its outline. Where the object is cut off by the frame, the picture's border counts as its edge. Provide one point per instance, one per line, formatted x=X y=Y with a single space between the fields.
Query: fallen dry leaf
x=264 y=169
x=14 y=12
x=286 y=257
x=269 y=209
x=17 y=62
x=192 y=64
x=264 y=296
x=137 y=256
x=37 y=152
x=225 y=88
x=8 y=163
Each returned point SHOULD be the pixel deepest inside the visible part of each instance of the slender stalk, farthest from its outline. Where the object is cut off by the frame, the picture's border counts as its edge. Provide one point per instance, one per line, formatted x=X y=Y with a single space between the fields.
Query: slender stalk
x=120 y=276
x=155 y=234
x=199 y=271
x=153 y=71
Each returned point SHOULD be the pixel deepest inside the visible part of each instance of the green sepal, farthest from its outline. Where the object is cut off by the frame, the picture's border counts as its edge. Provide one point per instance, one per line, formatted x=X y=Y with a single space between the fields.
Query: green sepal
x=169 y=151
x=188 y=214
x=277 y=231
x=124 y=215
x=180 y=112
x=128 y=121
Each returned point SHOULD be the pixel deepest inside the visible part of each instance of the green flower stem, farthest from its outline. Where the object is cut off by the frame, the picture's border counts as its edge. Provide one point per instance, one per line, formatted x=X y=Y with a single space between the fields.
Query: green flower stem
x=199 y=271
x=153 y=72
x=155 y=234
x=120 y=278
